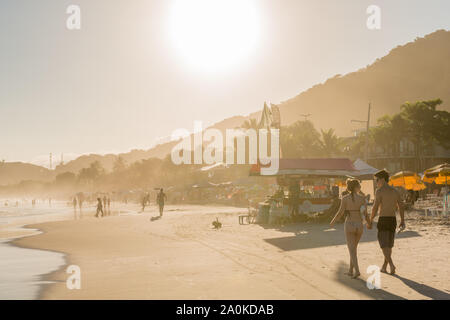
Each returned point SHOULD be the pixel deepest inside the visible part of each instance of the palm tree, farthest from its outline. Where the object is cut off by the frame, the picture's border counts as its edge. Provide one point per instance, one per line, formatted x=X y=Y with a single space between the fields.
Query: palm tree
x=300 y=140
x=250 y=124
x=329 y=143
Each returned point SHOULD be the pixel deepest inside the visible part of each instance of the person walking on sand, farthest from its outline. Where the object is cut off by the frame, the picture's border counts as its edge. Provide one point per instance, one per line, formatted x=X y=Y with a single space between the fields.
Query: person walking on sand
x=387 y=200
x=353 y=205
x=79 y=200
x=74 y=204
x=99 y=208
x=145 y=200
x=160 y=198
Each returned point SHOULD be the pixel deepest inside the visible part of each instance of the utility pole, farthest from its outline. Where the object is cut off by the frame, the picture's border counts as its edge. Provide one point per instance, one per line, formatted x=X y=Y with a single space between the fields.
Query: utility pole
x=367 y=135
x=367 y=122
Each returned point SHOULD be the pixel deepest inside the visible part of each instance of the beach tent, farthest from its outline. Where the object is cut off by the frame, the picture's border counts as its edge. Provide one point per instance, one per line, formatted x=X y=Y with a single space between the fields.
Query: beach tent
x=365 y=174
x=365 y=171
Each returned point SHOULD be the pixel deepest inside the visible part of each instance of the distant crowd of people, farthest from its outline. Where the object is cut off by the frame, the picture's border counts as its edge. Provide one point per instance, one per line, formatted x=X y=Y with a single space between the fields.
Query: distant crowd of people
x=33 y=202
x=103 y=204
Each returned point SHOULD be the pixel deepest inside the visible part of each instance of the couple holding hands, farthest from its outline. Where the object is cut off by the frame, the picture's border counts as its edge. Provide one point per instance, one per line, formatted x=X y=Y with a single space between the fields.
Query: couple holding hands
x=354 y=207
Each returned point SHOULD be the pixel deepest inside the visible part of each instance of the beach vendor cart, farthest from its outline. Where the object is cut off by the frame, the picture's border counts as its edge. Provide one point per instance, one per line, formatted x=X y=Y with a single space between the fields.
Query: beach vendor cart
x=306 y=187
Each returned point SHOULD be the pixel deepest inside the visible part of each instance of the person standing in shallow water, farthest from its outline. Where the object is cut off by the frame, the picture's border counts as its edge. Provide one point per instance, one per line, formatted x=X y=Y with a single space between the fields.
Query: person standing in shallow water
x=353 y=205
x=160 y=199
x=387 y=200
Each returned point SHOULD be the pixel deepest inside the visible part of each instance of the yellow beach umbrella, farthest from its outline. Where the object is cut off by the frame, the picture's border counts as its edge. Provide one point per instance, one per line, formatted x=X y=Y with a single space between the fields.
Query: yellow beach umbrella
x=416 y=186
x=406 y=179
x=439 y=174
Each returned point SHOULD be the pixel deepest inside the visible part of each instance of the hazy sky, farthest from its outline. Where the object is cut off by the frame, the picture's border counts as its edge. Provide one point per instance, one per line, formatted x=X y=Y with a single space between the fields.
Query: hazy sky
x=126 y=77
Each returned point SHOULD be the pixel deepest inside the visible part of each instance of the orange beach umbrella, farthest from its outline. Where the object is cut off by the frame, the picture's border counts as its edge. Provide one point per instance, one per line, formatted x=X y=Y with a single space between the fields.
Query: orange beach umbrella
x=439 y=174
x=408 y=180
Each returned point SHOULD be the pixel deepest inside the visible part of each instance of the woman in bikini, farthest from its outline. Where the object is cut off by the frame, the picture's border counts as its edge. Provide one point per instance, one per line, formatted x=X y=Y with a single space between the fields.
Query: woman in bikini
x=353 y=205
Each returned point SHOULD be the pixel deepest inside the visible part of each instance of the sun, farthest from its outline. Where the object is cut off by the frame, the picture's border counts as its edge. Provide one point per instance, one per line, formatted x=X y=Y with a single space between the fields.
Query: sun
x=214 y=35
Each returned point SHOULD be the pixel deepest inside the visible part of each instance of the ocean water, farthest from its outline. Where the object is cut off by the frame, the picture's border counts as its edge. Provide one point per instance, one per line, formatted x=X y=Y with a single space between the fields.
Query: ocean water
x=25 y=212
x=21 y=269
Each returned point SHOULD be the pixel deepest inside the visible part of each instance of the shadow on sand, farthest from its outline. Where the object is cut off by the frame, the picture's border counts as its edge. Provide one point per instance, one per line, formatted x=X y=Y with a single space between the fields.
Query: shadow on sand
x=425 y=290
x=361 y=286
x=309 y=236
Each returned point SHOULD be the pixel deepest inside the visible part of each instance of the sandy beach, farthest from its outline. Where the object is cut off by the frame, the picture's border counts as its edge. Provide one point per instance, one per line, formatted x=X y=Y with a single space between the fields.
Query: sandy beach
x=299 y=114
x=181 y=256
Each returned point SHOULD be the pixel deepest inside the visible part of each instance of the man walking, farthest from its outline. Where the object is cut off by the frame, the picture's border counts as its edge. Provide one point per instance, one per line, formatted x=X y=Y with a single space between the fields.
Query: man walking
x=387 y=200
x=99 y=208
x=145 y=200
x=160 y=198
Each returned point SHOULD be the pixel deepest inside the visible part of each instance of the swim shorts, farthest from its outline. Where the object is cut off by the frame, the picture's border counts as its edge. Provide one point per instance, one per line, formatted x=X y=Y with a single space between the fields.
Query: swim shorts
x=386 y=231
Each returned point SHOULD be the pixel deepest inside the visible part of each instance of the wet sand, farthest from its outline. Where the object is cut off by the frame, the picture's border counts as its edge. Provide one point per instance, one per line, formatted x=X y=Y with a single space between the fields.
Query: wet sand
x=181 y=256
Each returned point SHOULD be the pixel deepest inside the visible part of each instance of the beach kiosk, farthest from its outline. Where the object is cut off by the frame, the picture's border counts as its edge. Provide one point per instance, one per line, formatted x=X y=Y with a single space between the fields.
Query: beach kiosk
x=312 y=185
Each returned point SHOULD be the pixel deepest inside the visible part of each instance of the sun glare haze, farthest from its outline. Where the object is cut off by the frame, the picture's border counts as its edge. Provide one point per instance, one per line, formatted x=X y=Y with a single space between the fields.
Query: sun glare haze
x=214 y=35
